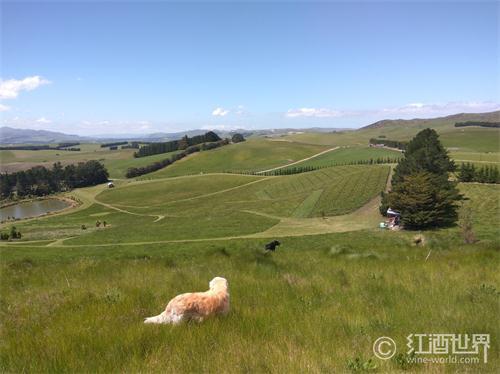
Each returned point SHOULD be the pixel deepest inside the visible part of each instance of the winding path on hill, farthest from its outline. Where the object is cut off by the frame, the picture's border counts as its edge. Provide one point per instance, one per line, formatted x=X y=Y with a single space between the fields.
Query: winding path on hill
x=299 y=161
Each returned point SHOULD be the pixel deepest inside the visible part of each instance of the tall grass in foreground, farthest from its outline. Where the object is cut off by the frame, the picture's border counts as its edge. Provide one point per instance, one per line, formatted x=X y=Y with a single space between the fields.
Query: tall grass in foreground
x=314 y=305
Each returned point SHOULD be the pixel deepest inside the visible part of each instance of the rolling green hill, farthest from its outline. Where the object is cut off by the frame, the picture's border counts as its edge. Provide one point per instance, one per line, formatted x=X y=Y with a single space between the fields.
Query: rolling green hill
x=252 y=155
x=73 y=299
x=75 y=307
x=210 y=206
x=476 y=139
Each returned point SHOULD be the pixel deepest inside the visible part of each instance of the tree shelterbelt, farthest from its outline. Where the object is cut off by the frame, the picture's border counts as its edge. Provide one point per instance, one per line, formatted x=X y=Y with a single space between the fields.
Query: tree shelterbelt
x=40 y=181
x=421 y=190
x=175 y=145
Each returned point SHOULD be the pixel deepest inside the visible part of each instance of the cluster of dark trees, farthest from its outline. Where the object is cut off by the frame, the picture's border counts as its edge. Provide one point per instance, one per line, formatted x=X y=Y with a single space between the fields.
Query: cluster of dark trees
x=135 y=172
x=389 y=143
x=421 y=190
x=485 y=174
x=237 y=138
x=477 y=123
x=13 y=234
x=175 y=145
x=59 y=147
x=40 y=181
x=113 y=144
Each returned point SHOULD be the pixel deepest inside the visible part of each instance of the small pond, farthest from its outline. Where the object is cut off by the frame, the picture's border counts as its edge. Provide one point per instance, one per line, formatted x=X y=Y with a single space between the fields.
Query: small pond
x=34 y=208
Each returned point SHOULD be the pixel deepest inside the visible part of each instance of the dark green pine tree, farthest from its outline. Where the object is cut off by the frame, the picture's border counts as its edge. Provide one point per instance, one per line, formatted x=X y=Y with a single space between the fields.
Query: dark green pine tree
x=421 y=190
x=424 y=153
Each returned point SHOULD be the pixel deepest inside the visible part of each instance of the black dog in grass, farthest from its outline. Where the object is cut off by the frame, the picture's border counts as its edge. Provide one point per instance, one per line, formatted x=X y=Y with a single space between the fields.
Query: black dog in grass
x=272 y=246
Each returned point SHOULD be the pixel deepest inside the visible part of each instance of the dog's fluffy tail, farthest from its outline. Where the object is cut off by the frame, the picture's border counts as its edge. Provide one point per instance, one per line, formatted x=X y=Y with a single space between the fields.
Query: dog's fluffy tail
x=160 y=318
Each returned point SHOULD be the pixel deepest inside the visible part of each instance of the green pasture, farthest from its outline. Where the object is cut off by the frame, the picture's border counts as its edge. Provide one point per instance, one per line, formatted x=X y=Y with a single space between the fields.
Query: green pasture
x=472 y=139
x=252 y=155
x=117 y=167
x=21 y=160
x=315 y=305
x=345 y=155
x=463 y=139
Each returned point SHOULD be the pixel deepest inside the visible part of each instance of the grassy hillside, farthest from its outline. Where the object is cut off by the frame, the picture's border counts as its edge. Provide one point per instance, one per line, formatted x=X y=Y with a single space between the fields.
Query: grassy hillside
x=211 y=206
x=73 y=298
x=475 y=139
x=22 y=160
x=117 y=162
x=317 y=304
x=254 y=154
x=347 y=155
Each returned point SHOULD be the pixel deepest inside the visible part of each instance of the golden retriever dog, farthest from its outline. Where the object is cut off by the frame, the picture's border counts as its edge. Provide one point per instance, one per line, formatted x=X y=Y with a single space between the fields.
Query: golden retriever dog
x=196 y=306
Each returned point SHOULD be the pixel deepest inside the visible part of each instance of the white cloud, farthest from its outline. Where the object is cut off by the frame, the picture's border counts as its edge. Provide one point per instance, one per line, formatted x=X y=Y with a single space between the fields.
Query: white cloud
x=10 y=89
x=443 y=108
x=220 y=112
x=222 y=127
x=4 y=108
x=313 y=112
x=43 y=120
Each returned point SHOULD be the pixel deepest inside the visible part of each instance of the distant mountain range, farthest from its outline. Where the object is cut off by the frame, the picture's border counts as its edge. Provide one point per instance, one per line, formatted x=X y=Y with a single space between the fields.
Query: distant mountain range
x=10 y=135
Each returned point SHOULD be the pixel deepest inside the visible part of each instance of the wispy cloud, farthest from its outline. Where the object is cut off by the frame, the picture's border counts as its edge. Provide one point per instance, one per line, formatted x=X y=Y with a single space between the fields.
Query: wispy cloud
x=313 y=112
x=43 y=120
x=10 y=89
x=220 y=127
x=415 y=109
x=443 y=108
x=4 y=108
x=220 y=112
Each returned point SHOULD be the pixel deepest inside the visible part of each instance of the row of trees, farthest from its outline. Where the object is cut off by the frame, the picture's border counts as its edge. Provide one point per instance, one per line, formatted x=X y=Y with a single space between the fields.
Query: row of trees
x=389 y=143
x=40 y=181
x=42 y=147
x=175 y=145
x=485 y=174
x=478 y=123
x=136 y=172
x=113 y=144
x=421 y=190
x=305 y=169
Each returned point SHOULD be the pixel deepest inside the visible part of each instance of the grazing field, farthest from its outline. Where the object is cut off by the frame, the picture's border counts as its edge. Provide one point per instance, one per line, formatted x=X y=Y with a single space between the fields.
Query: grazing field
x=346 y=155
x=74 y=295
x=21 y=160
x=463 y=139
x=479 y=157
x=317 y=304
x=252 y=155
x=472 y=139
x=117 y=167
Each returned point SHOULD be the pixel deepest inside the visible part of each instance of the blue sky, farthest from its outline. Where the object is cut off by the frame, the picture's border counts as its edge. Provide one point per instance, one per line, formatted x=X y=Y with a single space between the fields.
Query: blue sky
x=130 y=67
